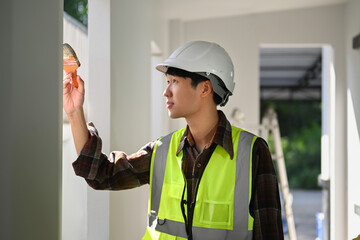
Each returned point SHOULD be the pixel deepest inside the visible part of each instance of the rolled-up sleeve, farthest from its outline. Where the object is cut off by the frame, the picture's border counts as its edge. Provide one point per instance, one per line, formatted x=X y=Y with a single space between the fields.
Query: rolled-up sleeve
x=116 y=172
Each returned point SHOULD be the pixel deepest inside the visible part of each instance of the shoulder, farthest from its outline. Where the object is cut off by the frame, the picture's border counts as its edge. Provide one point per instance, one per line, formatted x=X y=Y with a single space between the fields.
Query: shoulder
x=260 y=144
x=261 y=148
x=262 y=158
x=244 y=132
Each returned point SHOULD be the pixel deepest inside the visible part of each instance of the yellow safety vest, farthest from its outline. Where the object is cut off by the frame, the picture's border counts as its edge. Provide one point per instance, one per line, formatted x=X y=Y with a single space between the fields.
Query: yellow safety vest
x=223 y=196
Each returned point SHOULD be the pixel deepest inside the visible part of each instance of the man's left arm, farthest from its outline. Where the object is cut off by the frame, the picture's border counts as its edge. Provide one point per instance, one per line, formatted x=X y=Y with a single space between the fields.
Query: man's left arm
x=265 y=205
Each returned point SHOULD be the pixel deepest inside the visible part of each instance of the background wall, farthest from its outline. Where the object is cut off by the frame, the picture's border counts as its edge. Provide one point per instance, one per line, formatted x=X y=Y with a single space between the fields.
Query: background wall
x=353 y=115
x=76 y=34
x=74 y=189
x=30 y=119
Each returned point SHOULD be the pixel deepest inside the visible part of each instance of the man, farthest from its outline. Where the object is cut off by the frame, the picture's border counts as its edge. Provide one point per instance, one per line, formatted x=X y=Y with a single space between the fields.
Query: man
x=209 y=180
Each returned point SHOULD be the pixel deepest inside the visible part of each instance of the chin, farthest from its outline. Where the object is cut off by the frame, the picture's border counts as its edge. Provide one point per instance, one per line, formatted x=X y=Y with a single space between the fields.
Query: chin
x=174 y=115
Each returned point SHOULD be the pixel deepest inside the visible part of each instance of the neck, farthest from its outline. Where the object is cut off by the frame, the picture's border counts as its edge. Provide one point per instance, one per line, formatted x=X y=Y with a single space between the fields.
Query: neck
x=202 y=126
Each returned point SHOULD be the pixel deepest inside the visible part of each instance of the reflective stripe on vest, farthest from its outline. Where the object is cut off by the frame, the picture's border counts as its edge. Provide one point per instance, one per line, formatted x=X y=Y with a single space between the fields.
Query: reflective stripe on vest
x=163 y=226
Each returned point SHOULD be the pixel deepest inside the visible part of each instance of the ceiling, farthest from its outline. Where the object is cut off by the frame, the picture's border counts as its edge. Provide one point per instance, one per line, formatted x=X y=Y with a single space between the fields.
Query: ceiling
x=291 y=73
x=188 y=10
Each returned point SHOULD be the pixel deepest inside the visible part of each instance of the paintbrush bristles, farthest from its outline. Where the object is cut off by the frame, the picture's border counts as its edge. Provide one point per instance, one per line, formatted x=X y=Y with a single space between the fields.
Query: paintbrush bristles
x=69 y=53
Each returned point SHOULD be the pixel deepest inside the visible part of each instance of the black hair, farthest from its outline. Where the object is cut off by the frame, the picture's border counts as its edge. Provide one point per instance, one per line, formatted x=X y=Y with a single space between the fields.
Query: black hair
x=195 y=79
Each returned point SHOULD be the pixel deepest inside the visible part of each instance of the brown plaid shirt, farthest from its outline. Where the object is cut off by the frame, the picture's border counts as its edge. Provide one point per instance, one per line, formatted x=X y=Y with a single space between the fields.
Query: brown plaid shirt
x=122 y=171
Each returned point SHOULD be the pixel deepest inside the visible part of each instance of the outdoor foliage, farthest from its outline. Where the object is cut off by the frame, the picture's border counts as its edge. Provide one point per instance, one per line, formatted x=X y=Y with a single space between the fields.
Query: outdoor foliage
x=78 y=9
x=300 y=128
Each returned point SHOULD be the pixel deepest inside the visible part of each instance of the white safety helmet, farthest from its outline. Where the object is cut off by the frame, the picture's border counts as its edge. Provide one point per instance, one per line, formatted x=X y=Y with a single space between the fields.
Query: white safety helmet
x=207 y=59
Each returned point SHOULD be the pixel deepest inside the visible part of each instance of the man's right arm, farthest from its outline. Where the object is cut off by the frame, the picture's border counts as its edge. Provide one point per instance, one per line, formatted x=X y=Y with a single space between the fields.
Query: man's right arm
x=79 y=130
x=118 y=172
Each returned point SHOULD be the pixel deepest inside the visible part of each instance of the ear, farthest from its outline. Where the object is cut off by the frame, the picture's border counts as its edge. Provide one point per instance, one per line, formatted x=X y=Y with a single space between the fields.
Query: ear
x=206 y=88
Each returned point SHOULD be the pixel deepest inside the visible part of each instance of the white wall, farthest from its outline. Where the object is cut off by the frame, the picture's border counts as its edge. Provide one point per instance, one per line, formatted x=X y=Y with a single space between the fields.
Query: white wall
x=30 y=98
x=176 y=39
x=76 y=34
x=157 y=99
x=74 y=189
x=353 y=114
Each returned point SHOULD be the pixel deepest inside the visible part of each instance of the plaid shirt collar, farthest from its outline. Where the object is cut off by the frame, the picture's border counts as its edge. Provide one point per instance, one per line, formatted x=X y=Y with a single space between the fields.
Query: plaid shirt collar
x=222 y=136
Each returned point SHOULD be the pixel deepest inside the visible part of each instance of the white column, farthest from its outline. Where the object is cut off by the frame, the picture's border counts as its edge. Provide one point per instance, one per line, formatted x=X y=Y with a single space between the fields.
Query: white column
x=334 y=167
x=353 y=118
x=31 y=120
x=99 y=108
x=130 y=106
x=327 y=177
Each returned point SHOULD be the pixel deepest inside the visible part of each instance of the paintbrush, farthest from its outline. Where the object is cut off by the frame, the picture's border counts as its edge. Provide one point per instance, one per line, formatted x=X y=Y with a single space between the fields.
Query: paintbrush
x=70 y=62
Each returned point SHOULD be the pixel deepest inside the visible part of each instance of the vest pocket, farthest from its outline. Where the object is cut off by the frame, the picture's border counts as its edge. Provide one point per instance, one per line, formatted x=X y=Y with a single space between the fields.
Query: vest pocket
x=170 y=202
x=216 y=213
x=175 y=190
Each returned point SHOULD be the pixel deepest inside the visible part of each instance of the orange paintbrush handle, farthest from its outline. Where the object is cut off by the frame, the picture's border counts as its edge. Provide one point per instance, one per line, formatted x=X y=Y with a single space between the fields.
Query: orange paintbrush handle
x=74 y=79
x=71 y=68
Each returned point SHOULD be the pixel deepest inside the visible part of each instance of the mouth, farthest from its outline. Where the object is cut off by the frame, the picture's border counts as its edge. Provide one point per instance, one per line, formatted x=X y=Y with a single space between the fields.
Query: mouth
x=169 y=104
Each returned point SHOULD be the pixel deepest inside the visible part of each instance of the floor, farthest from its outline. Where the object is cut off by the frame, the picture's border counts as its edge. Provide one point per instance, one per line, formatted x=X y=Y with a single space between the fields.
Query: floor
x=305 y=206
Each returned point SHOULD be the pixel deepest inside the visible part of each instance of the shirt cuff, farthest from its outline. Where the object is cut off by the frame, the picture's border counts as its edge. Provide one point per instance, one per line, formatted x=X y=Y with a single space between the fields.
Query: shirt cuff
x=89 y=158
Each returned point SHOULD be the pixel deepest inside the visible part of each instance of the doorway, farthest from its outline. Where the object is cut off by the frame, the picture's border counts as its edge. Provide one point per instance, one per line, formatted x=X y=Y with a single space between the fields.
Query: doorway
x=296 y=82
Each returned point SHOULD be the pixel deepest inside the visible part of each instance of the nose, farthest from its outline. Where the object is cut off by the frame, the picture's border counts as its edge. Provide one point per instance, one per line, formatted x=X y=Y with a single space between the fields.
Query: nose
x=167 y=92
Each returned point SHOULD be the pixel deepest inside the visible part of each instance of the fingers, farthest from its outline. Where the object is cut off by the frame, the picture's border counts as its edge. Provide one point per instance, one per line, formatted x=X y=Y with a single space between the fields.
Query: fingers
x=67 y=81
x=69 y=75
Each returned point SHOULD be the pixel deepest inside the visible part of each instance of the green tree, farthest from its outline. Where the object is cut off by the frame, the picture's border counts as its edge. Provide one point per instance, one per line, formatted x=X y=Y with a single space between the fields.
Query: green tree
x=300 y=127
x=78 y=9
x=302 y=154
